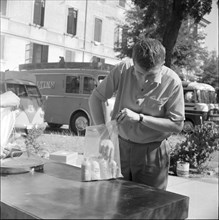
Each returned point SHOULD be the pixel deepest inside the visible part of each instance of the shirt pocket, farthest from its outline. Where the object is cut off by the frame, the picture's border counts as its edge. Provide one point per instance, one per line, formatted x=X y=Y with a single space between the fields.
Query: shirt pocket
x=155 y=104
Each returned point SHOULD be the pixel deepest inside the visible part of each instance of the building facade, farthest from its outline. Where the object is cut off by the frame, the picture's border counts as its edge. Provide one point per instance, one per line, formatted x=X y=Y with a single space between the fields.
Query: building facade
x=37 y=31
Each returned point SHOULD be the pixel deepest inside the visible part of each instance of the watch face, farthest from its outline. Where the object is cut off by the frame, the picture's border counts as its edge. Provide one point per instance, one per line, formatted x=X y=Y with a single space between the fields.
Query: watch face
x=141 y=118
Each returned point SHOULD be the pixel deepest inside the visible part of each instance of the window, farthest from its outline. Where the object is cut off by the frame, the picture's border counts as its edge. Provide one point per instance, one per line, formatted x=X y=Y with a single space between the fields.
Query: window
x=39 y=11
x=122 y=3
x=3 y=7
x=72 y=84
x=89 y=85
x=117 y=37
x=33 y=91
x=72 y=21
x=18 y=89
x=2 y=45
x=69 y=56
x=36 y=53
x=97 y=30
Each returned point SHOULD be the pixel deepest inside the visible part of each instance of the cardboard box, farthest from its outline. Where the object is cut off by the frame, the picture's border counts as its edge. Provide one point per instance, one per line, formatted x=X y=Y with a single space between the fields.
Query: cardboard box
x=64 y=156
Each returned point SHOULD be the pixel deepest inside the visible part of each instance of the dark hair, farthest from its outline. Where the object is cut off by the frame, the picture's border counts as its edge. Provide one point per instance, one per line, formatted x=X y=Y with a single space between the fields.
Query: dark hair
x=148 y=53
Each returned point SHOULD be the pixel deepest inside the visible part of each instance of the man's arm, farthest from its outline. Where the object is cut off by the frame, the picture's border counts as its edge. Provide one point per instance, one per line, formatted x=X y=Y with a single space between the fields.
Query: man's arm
x=96 y=108
x=159 y=124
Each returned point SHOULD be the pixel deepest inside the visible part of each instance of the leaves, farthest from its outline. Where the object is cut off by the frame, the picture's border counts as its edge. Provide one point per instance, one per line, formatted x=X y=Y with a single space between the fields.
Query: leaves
x=198 y=146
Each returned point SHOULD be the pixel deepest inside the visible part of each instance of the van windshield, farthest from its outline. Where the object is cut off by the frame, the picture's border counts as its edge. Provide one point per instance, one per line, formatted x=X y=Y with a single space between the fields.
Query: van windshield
x=18 y=89
x=33 y=91
x=23 y=90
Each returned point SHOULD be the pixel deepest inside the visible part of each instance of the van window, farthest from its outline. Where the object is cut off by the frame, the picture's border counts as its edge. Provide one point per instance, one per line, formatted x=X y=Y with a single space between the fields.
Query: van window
x=206 y=96
x=32 y=91
x=189 y=97
x=72 y=84
x=18 y=89
x=89 y=85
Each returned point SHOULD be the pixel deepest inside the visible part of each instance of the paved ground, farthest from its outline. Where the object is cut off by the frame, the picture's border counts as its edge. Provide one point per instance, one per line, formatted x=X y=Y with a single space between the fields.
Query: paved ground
x=203 y=194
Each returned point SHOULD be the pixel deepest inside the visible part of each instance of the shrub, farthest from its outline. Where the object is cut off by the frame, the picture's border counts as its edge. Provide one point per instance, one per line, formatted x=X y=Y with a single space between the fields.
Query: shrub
x=198 y=146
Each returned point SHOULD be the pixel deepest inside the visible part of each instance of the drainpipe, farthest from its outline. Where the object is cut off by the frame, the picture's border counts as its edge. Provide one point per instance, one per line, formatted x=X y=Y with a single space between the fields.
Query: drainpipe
x=85 y=29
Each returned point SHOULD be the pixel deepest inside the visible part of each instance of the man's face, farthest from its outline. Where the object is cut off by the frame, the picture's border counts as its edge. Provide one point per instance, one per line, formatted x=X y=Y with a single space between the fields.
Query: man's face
x=142 y=75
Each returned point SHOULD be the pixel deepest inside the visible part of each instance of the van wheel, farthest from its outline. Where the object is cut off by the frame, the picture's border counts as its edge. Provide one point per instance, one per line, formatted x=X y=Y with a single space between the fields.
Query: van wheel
x=78 y=123
x=54 y=125
x=188 y=126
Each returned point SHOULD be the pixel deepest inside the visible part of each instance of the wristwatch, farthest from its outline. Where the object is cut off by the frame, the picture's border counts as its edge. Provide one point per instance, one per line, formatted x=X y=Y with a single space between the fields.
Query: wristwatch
x=140 y=118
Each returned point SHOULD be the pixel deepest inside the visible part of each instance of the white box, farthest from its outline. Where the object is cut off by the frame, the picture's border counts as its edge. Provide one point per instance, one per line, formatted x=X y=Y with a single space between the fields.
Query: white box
x=64 y=156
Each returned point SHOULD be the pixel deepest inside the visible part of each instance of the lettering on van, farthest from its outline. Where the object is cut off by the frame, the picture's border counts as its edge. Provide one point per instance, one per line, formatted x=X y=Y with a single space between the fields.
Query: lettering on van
x=46 y=84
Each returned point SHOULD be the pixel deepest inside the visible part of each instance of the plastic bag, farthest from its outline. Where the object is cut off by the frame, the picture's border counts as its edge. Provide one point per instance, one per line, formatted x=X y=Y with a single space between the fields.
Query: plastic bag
x=8 y=118
x=97 y=165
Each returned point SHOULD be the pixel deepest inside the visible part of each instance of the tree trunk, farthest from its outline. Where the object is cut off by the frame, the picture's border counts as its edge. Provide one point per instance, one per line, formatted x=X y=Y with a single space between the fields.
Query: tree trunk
x=172 y=30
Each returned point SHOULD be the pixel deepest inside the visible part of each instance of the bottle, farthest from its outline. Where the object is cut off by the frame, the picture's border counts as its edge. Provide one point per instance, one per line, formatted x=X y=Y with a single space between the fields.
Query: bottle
x=113 y=169
x=86 y=170
x=103 y=169
x=95 y=170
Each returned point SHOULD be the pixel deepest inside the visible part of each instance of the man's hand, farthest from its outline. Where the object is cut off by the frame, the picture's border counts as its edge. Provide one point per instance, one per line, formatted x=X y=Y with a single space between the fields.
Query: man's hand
x=127 y=115
x=10 y=151
x=6 y=152
x=107 y=149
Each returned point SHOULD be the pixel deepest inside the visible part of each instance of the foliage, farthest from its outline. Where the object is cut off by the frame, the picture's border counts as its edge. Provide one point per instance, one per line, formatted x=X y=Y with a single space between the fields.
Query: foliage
x=162 y=20
x=210 y=70
x=198 y=146
x=32 y=146
x=188 y=53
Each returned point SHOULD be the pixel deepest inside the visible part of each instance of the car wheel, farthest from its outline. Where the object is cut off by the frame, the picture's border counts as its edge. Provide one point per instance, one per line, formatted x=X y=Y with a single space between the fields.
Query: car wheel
x=188 y=126
x=54 y=125
x=78 y=123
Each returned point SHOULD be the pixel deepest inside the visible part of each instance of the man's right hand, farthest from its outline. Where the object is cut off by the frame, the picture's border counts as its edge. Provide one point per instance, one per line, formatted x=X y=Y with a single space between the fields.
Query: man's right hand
x=107 y=149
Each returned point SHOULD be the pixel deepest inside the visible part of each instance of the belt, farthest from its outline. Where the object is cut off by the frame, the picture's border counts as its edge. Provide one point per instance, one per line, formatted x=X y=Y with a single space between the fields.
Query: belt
x=132 y=142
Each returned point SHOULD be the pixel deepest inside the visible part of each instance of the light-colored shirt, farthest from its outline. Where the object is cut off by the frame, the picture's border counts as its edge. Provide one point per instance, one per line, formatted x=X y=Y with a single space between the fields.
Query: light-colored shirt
x=160 y=97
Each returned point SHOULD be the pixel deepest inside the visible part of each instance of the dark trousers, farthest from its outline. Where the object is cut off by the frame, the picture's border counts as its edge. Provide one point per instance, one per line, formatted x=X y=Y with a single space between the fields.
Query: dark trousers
x=145 y=163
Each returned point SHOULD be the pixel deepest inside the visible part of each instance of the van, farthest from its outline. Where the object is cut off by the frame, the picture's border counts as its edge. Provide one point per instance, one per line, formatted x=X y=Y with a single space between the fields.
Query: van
x=67 y=90
x=30 y=111
x=201 y=104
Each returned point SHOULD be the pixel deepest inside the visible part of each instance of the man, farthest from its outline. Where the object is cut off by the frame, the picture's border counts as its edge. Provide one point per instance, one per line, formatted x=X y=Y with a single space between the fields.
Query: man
x=149 y=107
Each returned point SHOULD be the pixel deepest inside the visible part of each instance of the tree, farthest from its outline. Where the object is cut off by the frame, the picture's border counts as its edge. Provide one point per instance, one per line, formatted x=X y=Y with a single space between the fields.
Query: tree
x=210 y=70
x=188 y=53
x=163 y=18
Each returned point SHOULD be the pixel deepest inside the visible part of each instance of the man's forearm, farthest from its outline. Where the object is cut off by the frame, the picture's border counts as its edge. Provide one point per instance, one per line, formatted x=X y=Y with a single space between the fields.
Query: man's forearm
x=162 y=124
x=96 y=110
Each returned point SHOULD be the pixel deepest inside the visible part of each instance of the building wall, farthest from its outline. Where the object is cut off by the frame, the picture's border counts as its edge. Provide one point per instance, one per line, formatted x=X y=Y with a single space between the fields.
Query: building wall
x=18 y=30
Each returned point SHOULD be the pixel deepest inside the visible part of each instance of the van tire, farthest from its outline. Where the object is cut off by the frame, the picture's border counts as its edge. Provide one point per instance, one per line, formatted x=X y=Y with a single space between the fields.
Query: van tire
x=79 y=120
x=54 y=125
x=188 y=126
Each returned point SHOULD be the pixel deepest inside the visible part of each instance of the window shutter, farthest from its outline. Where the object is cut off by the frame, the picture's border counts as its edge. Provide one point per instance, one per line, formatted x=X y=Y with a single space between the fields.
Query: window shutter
x=29 y=53
x=69 y=56
x=97 y=30
x=75 y=15
x=37 y=12
x=72 y=21
x=122 y=3
x=44 y=58
x=3 y=7
x=42 y=13
x=2 y=46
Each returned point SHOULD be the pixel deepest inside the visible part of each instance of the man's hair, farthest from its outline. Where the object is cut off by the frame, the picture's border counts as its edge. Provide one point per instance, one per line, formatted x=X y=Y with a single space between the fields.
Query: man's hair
x=148 y=53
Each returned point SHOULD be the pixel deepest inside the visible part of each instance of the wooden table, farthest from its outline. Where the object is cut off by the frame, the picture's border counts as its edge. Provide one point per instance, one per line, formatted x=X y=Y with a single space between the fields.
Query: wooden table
x=57 y=192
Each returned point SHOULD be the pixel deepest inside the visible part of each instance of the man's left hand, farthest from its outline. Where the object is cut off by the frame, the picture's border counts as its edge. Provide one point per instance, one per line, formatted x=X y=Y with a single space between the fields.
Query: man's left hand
x=127 y=115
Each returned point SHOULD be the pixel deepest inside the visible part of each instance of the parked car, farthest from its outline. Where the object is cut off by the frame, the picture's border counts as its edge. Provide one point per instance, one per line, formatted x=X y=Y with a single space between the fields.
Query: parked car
x=30 y=111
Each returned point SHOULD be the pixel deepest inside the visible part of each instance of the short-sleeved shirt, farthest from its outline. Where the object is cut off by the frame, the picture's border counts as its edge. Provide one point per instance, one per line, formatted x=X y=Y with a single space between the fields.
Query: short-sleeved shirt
x=162 y=98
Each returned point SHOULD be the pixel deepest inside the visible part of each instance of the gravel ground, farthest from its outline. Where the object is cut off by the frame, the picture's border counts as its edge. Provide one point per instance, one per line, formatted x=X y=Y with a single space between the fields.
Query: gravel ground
x=52 y=141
